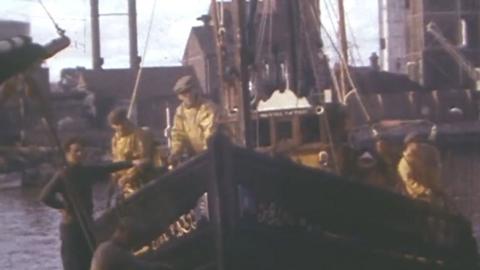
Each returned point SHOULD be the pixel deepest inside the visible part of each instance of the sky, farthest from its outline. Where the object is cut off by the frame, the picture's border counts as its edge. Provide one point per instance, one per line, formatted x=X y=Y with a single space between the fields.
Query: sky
x=171 y=26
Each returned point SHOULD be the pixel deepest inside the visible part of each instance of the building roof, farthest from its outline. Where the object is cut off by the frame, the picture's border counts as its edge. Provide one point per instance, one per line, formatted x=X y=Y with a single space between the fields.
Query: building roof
x=369 y=80
x=205 y=36
x=154 y=82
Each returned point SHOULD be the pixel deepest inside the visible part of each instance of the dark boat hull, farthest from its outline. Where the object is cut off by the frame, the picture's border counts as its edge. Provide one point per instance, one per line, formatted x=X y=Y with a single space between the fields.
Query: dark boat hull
x=273 y=214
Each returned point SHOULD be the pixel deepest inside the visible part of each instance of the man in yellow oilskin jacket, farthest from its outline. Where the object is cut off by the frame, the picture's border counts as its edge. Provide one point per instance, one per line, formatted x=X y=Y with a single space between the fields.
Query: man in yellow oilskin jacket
x=419 y=168
x=129 y=143
x=195 y=121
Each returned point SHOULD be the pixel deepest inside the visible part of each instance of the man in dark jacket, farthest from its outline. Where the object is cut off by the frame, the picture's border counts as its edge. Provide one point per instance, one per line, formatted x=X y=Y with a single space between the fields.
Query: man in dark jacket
x=70 y=191
x=115 y=254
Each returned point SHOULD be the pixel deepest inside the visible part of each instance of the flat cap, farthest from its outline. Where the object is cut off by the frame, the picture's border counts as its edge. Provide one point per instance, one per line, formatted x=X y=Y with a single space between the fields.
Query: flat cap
x=184 y=83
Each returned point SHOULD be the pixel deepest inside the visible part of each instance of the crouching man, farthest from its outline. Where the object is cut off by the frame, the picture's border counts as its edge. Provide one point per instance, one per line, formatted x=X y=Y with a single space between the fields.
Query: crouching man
x=115 y=254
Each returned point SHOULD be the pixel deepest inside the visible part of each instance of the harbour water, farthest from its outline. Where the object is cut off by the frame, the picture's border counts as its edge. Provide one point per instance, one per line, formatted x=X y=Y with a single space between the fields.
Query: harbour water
x=29 y=236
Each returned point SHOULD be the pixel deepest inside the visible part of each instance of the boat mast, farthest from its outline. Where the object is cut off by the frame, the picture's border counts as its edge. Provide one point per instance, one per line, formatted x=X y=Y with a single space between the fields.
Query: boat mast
x=344 y=50
x=241 y=64
x=220 y=50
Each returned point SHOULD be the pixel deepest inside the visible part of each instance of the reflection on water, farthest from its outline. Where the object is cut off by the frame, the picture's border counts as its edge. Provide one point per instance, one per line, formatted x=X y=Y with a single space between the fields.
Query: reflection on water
x=28 y=232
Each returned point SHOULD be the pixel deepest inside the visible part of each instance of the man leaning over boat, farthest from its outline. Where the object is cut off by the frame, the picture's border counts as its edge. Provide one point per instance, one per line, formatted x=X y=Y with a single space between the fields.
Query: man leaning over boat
x=115 y=254
x=196 y=120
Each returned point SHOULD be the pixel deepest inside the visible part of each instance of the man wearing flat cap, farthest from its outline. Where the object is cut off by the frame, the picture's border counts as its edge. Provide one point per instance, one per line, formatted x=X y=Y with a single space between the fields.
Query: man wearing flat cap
x=195 y=120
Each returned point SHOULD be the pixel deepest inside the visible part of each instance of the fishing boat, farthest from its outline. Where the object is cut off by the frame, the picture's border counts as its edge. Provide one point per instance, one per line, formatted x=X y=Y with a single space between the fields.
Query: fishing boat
x=271 y=213
x=22 y=92
x=269 y=206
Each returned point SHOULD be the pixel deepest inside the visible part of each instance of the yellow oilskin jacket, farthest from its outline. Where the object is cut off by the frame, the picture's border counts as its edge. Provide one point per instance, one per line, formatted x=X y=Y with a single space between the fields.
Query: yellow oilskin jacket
x=192 y=127
x=419 y=170
x=137 y=144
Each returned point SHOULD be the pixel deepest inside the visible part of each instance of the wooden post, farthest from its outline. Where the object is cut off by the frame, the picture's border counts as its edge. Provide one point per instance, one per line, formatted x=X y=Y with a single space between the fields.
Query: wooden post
x=95 y=24
x=132 y=34
x=242 y=68
x=222 y=196
x=220 y=51
x=344 y=47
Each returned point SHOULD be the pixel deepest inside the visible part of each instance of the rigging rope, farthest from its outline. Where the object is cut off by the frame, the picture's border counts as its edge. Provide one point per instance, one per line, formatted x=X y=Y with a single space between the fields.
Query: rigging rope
x=344 y=65
x=316 y=18
x=347 y=71
x=355 y=47
x=270 y=27
x=326 y=124
x=330 y=13
x=78 y=210
x=220 y=50
x=317 y=21
x=60 y=31
x=133 y=100
x=259 y=43
x=308 y=40
x=323 y=117
x=341 y=58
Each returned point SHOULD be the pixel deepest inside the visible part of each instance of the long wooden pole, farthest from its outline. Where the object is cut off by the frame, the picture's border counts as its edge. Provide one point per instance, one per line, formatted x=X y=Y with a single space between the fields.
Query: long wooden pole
x=95 y=24
x=72 y=199
x=242 y=66
x=220 y=52
x=295 y=39
x=344 y=48
x=132 y=34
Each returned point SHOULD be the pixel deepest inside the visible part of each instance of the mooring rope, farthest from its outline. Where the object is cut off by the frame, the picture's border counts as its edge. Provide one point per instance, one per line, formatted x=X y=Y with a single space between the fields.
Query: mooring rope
x=133 y=100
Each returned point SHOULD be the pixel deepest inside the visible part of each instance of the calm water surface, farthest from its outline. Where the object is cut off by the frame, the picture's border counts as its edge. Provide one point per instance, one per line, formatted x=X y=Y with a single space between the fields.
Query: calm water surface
x=29 y=236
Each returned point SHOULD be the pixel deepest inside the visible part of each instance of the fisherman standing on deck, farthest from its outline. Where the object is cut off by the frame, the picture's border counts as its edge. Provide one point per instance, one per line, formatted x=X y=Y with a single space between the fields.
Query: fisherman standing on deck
x=195 y=121
x=70 y=191
x=129 y=143
x=419 y=169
